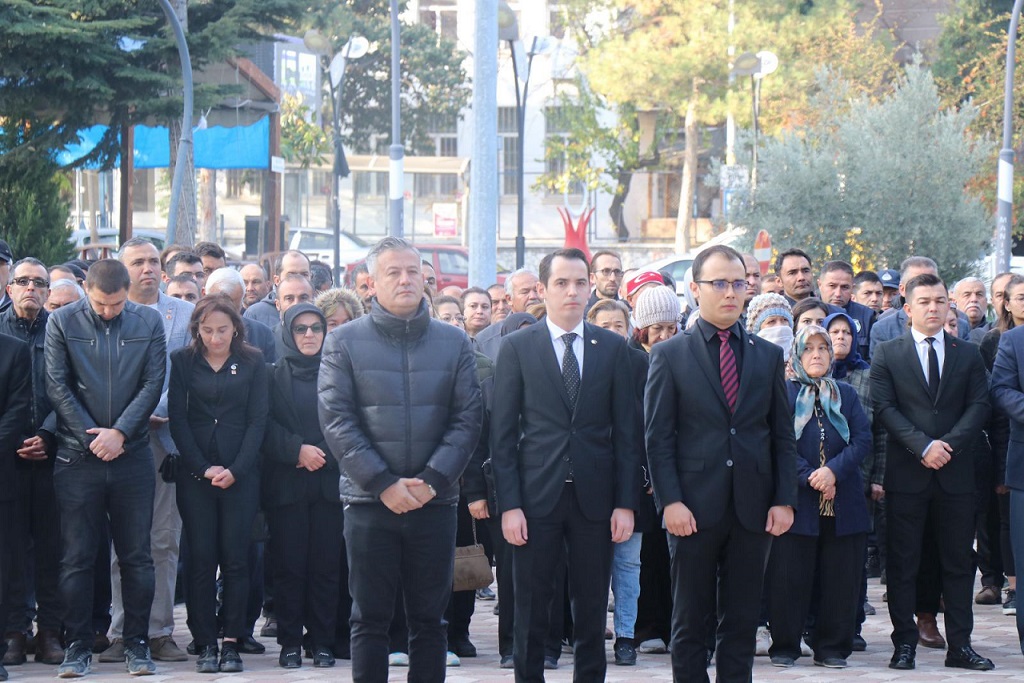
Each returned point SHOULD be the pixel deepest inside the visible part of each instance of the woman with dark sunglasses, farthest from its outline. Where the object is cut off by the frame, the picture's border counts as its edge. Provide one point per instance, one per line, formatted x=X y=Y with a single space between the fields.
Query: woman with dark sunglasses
x=300 y=496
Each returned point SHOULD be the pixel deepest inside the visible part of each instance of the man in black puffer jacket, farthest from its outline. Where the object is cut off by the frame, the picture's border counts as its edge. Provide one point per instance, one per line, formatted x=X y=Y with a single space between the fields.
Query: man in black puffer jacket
x=401 y=411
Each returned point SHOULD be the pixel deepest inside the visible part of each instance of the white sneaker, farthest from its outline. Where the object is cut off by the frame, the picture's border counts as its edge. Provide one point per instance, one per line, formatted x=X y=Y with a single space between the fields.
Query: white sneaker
x=762 y=642
x=805 y=649
x=653 y=646
x=452 y=659
x=398 y=659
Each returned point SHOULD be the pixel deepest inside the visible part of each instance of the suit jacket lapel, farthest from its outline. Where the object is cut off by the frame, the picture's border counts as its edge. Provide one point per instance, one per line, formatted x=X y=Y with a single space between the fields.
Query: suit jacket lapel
x=553 y=371
x=747 y=345
x=949 y=362
x=914 y=360
x=702 y=352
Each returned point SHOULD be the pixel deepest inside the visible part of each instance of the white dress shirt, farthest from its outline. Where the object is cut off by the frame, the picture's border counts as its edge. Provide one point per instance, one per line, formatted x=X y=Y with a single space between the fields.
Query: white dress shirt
x=922 y=350
x=556 y=333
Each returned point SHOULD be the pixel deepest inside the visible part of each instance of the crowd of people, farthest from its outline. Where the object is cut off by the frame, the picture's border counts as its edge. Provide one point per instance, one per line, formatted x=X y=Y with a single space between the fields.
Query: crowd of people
x=174 y=429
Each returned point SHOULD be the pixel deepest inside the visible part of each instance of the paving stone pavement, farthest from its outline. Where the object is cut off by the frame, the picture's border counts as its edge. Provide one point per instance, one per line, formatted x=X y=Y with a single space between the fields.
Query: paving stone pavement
x=994 y=637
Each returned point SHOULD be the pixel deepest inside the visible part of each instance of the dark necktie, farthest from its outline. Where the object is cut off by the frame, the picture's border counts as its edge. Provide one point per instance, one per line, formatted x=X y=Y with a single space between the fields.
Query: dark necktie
x=730 y=376
x=570 y=369
x=933 y=369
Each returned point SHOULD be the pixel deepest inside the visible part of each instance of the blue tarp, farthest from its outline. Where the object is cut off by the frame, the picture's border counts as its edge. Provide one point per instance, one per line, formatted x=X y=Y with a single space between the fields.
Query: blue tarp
x=215 y=147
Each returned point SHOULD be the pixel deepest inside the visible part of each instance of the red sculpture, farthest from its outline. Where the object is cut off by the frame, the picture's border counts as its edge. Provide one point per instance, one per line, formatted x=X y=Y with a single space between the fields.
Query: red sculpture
x=576 y=236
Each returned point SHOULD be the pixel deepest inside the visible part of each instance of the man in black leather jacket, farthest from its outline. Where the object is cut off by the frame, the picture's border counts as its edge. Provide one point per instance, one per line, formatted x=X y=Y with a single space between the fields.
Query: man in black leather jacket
x=401 y=411
x=105 y=362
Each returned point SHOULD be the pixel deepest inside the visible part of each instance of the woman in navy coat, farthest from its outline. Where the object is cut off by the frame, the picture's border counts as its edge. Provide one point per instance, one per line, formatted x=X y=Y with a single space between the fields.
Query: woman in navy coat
x=831 y=523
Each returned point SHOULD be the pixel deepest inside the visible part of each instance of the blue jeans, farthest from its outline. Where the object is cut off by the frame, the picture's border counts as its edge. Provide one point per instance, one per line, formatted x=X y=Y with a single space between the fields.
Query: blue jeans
x=416 y=551
x=88 y=491
x=626 y=584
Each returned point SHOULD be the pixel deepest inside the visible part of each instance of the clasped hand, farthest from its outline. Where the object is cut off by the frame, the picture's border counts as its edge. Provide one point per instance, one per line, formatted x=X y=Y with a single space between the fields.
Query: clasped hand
x=108 y=444
x=406 y=494
x=938 y=454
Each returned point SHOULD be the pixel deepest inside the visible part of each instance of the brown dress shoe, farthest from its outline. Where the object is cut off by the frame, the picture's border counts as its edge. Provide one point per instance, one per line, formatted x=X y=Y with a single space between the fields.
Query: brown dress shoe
x=928 y=632
x=15 y=648
x=48 y=649
x=988 y=595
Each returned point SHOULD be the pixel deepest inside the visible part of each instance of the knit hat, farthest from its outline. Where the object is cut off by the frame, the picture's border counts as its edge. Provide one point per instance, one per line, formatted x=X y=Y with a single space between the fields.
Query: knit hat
x=656 y=305
x=764 y=306
x=641 y=279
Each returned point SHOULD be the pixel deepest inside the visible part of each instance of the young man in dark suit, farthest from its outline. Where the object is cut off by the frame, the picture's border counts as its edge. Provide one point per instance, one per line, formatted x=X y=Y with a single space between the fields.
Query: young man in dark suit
x=931 y=396
x=565 y=470
x=722 y=453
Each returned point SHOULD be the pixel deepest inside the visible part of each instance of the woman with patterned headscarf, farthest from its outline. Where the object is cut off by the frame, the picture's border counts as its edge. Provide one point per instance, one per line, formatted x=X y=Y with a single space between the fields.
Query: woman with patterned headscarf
x=830 y=528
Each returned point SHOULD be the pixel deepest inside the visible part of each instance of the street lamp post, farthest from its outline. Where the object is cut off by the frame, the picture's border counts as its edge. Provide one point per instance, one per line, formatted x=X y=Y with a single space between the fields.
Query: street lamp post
x=186 y=120
x=1004 y=188
x=508 y=30
x=757 y=66
x=396 y=153
x=356 y=47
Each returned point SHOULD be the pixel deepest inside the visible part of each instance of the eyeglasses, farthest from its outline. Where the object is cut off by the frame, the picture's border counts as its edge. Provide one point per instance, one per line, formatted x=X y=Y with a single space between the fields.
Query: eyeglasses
x=37 y=281
x=452 y=318
x=431 y=280
x=722 y=285
x=315 y=328
x=608 y=272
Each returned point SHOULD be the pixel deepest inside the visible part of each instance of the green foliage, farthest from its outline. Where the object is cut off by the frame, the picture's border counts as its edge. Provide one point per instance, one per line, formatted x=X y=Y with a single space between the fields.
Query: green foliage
x=33 y=207
x=876 y=182
x=302 y=142
x=62 y=68
x=435 y=87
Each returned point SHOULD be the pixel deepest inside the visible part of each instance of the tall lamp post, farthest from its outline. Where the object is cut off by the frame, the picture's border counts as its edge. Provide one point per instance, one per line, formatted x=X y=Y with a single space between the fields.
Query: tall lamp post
x=757 y=66
x=508 y=30
x=186 y=120
x=1004 y=188
x=396 y=153
x=356 y=47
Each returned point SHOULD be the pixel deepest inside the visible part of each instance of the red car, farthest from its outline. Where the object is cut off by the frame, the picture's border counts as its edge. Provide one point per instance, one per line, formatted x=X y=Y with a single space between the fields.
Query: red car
x=451 y=264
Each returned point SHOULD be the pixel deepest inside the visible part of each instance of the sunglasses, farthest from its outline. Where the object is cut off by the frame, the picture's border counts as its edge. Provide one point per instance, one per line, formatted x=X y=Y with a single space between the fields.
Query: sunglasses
x=301 y=330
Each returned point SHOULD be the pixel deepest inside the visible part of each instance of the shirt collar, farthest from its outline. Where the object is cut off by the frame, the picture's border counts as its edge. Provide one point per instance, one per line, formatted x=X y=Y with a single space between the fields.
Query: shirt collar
x=708 y=330
x=919 y=337
x=556 y=332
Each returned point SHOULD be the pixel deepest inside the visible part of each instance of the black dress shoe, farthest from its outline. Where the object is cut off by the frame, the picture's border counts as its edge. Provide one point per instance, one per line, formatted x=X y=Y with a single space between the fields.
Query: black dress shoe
x=903 y=658
x=965 y=657
x=290 y=658
x=550 y=662
x=859 y=644
x=462 y=646
x=251 y=646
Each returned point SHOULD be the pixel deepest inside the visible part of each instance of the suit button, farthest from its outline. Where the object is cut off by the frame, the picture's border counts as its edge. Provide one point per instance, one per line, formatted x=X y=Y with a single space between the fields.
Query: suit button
x=935 y=412
x=728 y=463
x=215 y=421
x=733 y=431
x=572 y=431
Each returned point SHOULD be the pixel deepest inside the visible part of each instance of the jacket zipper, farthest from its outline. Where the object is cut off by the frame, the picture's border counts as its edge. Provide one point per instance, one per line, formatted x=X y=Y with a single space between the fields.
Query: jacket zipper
x=408 y=391
x=110 y=380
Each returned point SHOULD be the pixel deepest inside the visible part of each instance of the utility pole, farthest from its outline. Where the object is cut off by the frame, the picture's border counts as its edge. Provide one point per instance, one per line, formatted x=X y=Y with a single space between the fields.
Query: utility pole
x=483 y=172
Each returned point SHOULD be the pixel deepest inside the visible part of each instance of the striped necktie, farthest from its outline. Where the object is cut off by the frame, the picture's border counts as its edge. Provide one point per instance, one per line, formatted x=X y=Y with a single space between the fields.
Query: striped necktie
x=730 y=376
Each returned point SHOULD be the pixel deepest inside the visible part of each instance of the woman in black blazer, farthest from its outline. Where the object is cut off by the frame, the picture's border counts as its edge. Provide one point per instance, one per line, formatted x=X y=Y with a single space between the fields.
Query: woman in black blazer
x=830 y=527
x=300 y=496
x=217 y=405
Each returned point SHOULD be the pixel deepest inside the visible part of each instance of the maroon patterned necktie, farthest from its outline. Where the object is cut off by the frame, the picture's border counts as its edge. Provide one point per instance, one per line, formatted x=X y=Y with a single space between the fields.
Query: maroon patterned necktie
x=727 y=363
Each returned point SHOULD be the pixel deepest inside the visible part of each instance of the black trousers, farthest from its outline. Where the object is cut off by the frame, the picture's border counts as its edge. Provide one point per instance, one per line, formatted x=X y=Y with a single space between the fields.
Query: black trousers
x=1005 y=543
x=36 y=551
x=218 y=523
x=588 y=547
x=8 y=538
x=414 y=551
x=462 y=604
x=989 y=541
x=838 y=563
x=952 y=516
x=305 y=540
x=729 y=560
x=654 y=608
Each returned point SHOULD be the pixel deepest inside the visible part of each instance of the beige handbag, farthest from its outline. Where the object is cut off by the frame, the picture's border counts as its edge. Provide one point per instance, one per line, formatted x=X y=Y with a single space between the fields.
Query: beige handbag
x=472 y=568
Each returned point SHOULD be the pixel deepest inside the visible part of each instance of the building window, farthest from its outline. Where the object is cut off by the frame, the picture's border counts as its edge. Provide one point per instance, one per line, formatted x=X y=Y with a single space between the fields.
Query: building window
x=557 y=22
x=440 y=184
x=442 y=16
x=508 y=162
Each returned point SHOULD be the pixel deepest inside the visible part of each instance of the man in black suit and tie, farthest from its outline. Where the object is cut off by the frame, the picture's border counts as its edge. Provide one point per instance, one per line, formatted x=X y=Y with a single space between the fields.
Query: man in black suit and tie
x=722 y=453
x=931 y=396
x=565 y=469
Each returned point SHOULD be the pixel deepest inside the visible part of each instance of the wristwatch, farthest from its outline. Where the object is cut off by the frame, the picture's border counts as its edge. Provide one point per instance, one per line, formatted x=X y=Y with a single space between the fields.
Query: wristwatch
x=433 y=493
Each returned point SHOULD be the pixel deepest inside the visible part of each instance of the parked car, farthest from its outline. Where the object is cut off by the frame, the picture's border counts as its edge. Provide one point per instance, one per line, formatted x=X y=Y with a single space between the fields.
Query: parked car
x=318 y=245
x=678 y=265
x=451 y=265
